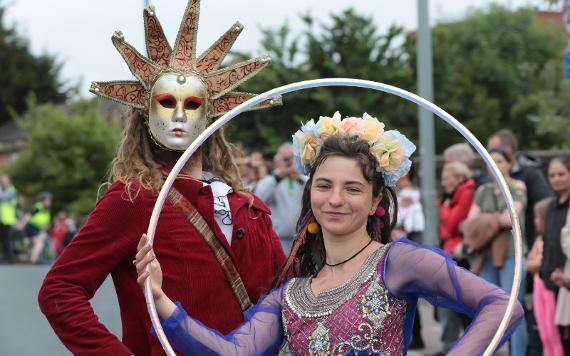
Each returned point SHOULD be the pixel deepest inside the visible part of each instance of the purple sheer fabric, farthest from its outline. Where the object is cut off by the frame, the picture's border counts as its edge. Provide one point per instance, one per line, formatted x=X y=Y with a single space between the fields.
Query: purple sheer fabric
x=260 y=334
x=410 y=272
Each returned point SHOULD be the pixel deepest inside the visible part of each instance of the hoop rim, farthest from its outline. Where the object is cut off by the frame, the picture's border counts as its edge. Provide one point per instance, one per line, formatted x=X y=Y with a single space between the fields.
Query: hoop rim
x=342 y=82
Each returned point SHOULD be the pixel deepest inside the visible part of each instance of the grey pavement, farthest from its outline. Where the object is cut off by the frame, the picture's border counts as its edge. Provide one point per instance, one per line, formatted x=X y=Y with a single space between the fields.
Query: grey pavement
x=25 y=331
x=23 y=328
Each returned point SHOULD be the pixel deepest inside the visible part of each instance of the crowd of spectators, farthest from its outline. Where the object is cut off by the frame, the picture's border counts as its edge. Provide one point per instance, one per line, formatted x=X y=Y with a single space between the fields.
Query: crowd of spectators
x=31 y=235
x=474 y=227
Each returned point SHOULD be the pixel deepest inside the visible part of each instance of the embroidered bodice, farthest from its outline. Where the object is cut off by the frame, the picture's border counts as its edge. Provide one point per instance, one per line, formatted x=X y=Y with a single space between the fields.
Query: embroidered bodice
x=359 y=315
x=372 y=313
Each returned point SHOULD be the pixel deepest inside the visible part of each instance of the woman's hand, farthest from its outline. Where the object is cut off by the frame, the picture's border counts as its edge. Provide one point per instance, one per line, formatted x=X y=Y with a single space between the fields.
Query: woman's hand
x=145 y=257
x=559 y=279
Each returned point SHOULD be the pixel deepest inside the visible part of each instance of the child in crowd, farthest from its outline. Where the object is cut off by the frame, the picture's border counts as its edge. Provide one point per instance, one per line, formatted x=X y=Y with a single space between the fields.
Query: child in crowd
x=543 y=299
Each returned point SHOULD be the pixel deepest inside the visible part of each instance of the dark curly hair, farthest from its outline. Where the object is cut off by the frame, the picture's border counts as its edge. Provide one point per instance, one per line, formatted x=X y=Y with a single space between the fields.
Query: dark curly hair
x=308 y=253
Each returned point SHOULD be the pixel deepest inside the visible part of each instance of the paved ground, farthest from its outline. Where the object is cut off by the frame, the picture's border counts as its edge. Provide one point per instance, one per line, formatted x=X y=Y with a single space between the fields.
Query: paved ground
x=25 y=331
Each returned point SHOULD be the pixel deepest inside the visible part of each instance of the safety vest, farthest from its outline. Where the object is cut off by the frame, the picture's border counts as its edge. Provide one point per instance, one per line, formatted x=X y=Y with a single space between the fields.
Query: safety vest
x=41 y=218
x=8 y=209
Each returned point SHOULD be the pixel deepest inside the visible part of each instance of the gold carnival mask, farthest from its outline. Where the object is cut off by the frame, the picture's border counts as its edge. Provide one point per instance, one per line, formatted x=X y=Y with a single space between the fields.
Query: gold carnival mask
x=179 y=93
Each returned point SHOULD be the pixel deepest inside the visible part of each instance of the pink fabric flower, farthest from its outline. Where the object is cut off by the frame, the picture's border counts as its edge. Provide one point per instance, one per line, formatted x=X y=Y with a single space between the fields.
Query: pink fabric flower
x=348 y=126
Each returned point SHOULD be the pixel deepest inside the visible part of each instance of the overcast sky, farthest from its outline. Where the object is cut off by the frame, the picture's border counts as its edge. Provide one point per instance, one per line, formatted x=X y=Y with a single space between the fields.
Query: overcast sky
x=79 y=32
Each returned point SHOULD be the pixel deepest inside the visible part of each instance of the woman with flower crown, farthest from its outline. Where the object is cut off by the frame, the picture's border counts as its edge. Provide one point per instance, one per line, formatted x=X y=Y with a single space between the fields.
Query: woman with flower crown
x=349 y=290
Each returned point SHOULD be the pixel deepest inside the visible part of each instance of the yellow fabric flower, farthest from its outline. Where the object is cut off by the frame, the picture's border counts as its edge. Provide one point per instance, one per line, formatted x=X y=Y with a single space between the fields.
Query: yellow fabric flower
x=388 y=151
x=309 y=152
x=369 y=128
x=329 y=125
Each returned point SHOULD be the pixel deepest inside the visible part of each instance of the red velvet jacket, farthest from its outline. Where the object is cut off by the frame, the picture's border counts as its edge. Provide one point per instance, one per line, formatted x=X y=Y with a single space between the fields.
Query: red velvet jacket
x=453 y=212
x=107 y=245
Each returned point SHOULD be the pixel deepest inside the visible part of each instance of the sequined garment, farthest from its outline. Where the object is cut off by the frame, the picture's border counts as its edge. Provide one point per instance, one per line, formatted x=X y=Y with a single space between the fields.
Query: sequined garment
x=358 y=316
x=362 y=316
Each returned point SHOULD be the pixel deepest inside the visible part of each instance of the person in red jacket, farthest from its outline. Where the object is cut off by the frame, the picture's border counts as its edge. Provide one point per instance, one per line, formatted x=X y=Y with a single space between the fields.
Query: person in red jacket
x=175 y=99
x=454 y=205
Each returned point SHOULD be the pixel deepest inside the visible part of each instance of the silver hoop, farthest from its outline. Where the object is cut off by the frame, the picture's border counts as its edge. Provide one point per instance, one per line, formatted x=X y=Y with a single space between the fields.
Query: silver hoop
x=341 y=82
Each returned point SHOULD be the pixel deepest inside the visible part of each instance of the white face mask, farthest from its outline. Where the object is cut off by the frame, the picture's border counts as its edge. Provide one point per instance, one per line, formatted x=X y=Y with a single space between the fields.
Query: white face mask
x=177 y=112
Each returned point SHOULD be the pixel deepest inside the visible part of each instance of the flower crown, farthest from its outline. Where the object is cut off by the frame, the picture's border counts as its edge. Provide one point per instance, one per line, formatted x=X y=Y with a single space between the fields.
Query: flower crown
x=391 y=148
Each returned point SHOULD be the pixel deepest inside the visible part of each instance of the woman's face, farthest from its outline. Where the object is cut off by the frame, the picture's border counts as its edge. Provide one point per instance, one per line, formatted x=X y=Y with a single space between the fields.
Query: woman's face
x=449 y=180
x=559 y=177
x=502 y=163
x=341 y=198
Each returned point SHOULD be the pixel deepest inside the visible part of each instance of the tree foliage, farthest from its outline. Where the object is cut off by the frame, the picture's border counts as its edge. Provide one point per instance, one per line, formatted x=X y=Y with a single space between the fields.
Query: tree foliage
x=349 y=46
x=496 y=68
x=68 y=152
x=22 y=73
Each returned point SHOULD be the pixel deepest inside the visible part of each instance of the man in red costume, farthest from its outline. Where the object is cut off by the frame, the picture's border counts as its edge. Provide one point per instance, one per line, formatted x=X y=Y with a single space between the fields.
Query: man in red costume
x=208 y=214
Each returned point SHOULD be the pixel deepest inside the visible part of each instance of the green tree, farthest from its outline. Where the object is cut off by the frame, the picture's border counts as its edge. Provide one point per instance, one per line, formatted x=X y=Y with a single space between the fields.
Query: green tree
x=350 y=46
x=553 y=117
x=68 y=152
x=497 y=68
x=23 y=73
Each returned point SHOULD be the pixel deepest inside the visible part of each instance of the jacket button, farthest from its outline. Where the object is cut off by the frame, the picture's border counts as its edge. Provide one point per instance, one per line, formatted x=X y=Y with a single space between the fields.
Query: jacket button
x=240 y=233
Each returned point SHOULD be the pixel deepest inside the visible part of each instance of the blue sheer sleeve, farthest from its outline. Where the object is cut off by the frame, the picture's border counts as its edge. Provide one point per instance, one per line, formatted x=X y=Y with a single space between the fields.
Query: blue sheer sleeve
x=260 y=334
x=413 y=271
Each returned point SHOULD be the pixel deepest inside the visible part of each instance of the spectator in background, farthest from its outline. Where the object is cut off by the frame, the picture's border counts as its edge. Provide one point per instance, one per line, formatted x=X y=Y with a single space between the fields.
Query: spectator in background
x=244 y=171
x=454 y=205
x=526 y=169
x=543 y=299
x=258 y=164
x=8 y=218
x=242 y=161
x=562 y=279
x=72 y=229
x=553 y=257
x=58 y=232
x=462 y=152
x=410 y=224
x=411 y=221
x=487 y=232
x=282 y=191
x=36 y=223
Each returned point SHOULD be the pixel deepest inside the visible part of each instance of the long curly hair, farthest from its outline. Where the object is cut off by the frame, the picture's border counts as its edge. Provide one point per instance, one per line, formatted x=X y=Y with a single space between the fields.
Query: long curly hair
x=135 y=161
x=308 y=253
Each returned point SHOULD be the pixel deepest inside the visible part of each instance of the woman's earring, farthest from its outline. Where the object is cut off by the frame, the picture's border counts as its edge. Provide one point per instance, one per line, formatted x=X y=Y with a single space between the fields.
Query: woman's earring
x=380 y=211
x=313 y=228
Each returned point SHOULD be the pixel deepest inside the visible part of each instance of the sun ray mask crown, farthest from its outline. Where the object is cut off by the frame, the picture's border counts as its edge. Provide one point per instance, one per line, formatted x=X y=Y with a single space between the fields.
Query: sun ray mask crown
x=182 y=62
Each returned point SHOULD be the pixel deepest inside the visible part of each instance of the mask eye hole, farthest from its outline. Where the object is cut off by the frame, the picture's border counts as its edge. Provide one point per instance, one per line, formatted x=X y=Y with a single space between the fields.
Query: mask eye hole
x=166 y=101
x=192 y=103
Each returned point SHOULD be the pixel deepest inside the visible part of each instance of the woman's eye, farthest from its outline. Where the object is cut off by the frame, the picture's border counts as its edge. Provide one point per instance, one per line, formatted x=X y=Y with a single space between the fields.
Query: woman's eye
x=322 y=186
